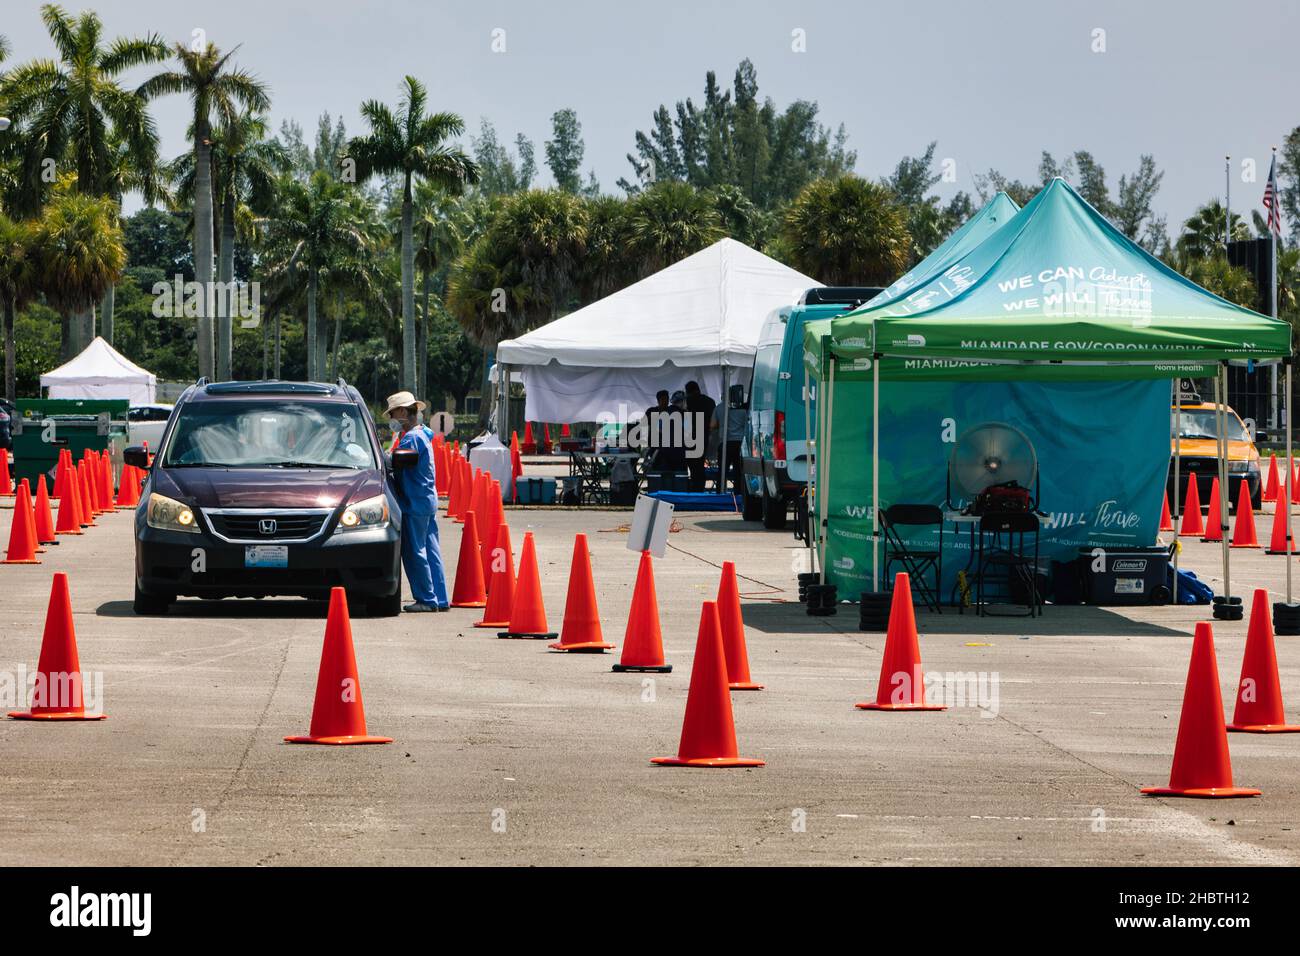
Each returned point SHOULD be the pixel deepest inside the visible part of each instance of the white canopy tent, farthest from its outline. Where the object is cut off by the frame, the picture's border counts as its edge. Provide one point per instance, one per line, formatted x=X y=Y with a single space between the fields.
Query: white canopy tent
x=100 y=371
x=697 y=319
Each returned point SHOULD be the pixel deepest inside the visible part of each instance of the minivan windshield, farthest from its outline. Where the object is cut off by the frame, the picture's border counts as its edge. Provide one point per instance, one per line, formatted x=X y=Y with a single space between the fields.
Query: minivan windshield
x=269 y=434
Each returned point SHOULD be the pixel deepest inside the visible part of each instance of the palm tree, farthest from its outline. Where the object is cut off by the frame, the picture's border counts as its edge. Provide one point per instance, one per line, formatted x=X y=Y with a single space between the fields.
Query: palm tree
x=443 y=225
x=315 y=229
x=75 y=109
x=216 y=90
x=130 y=173
x=1202 y=235
x=411 y=144
x=17 y=285
x=669 y=221
x=78 y=253
x=846 y=231
x=1226 y=281
x=245 y=167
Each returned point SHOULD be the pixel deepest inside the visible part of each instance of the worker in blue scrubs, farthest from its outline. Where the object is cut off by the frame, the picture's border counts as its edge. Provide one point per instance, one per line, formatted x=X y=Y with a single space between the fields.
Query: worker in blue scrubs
x=417 y=494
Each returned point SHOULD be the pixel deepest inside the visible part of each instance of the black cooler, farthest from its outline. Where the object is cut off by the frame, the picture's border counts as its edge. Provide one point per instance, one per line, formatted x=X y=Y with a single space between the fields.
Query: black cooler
x=1124 y=575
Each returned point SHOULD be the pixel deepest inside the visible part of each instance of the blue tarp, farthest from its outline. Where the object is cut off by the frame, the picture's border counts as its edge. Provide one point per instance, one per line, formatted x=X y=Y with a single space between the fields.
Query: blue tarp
x=698 y=501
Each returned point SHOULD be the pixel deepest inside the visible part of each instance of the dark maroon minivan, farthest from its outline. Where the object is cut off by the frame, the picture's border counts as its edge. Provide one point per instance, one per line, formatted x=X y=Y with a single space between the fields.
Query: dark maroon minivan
x=268 y=488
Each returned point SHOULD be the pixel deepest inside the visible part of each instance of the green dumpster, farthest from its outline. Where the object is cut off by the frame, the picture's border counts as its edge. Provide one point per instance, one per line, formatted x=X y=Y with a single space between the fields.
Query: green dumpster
x=43 y=427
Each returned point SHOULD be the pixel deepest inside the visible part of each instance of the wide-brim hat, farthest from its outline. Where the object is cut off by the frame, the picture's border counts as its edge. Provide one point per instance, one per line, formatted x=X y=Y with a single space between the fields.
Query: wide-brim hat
x=403 y=400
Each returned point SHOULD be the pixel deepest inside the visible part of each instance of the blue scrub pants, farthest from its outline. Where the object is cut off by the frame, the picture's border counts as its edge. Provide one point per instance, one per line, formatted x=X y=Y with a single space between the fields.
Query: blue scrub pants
x=422 y=559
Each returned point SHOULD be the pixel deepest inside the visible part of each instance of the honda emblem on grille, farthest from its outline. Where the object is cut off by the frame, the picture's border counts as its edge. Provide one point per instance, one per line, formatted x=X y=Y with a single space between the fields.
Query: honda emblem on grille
x=266 y=526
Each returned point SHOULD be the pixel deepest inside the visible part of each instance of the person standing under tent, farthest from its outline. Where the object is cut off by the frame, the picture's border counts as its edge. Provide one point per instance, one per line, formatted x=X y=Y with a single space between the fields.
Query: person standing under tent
x=417 y=494
x=737 y=416
x=699 y=413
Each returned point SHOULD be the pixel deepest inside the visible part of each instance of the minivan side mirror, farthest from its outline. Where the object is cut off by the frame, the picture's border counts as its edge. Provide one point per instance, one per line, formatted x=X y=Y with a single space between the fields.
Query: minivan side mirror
x=137 y=456
x=404 y=458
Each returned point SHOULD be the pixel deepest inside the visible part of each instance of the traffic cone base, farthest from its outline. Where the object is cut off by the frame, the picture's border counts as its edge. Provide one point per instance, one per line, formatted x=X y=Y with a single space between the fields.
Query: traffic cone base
x=709 y=762
x=517 y=636
x=338 y=668
x=872 y=705
x=59 y=715
x=1264 y=729
x=1206 y=792
x=642 y=668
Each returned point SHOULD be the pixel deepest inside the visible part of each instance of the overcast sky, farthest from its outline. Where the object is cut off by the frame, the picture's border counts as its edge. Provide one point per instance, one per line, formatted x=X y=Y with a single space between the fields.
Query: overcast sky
x=994 y=82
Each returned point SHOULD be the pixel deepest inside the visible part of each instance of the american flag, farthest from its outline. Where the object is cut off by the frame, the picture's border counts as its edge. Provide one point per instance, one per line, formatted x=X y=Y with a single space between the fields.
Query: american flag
x=1270 y=200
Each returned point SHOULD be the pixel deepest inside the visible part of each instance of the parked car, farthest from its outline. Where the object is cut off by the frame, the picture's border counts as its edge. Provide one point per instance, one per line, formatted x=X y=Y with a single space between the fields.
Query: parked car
x=1197 y=446
x=775 y=450
x=268 y=488
x=145 y=424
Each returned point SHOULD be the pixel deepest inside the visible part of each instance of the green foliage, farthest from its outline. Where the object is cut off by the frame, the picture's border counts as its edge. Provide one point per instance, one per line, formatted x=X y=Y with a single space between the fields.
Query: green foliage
x=846 y=231
x=669 y=221
x=564 y=151
x=929 y=222
x=733 y=139
x=500 y=173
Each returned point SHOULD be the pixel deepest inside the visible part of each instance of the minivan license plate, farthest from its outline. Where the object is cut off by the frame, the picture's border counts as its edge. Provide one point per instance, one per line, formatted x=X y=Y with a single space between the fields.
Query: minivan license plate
x=266 y=556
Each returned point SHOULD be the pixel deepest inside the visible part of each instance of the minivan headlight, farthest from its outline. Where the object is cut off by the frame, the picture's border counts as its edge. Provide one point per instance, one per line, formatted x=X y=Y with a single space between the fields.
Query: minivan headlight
x=368 y=514
x=168 y=514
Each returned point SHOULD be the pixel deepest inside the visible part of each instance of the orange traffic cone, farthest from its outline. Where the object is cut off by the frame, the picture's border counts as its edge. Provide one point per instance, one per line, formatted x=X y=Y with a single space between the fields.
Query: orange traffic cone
x=22 y=536
x=61 y=474
x=581 y=628
x=57 y=694
x=902 y=685
x=501 y=593
x=1213 y=522
x=529 y=446
x=1295 y=485
x=106 y=475
x=733 y=631
x=1271 y=483
x=468 y=590
x=456 y=496
x=81 y=481
x=1259 y=691
x=516 y=466
x=1192 y=523
x=708 y=729
x=128 y=491
x=1201 y=767
x=1166 y=520
x=493 y=515
x=441 y=461
x=69 y=506
x=42 y=515
x=338 y=716
x=528 y=613
x=643 y=645
x=1281 y=527
x=1243 y=527
x=6 y=482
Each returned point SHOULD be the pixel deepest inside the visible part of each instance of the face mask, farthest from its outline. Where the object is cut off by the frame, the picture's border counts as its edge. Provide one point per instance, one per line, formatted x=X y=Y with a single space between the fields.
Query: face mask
x=394 y=424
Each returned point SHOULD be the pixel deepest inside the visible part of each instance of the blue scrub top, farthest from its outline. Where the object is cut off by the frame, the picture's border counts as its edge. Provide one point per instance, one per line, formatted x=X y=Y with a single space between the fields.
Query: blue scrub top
x=417 y=490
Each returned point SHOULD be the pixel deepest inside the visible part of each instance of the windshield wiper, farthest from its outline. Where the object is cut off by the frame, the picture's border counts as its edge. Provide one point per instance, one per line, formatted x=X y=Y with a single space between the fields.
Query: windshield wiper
x=306 y=464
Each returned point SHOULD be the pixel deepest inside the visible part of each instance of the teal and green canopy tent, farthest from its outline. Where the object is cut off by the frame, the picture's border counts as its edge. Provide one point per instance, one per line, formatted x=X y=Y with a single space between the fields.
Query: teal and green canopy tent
x=1056 y=290
x=1055 y=324
x=963 y=239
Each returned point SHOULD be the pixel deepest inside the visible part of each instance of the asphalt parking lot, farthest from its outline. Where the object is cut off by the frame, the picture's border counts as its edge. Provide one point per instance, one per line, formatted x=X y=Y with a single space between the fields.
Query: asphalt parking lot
x=507 y=753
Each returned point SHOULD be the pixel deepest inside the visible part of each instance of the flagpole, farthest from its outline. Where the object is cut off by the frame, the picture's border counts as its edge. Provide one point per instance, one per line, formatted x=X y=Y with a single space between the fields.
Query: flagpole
x=1227 y=203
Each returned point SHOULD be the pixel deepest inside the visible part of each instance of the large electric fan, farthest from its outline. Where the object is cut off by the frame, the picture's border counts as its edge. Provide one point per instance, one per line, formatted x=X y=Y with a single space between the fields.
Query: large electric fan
x=991 y=453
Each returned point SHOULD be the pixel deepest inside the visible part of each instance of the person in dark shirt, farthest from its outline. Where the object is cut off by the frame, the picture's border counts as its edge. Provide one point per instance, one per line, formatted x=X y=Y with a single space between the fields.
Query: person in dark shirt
x=699 y=410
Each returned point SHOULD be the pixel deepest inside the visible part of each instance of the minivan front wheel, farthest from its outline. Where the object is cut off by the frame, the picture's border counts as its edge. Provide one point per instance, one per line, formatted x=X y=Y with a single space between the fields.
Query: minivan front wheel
x=774 y=510
x=390 y=606
x=147 y=604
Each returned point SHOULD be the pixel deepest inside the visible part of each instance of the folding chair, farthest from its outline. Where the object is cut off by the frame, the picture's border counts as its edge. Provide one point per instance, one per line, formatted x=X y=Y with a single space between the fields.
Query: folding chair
x=917 y=562
x=1006 y=560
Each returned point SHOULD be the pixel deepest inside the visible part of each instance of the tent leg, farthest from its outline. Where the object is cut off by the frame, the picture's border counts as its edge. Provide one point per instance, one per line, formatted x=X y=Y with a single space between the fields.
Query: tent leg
x=875 y=474
x=808 y=472
x=722 y=438
x=1224 y=608
x=1175 y=429
x=826 y=498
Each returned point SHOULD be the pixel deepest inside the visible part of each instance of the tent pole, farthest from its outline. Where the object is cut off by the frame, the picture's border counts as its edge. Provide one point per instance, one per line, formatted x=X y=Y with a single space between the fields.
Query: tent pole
x=826 y=498
x=807 y=473
x=722 y=438
x=1289 y=478
x=875 y=474
x=1220 y=390
x=1175 y=429
x=820 y=488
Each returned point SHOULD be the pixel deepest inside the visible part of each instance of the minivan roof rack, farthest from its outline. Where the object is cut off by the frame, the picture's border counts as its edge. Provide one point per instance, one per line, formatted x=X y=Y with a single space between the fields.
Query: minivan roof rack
x=274 y=387
x=840 y=295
